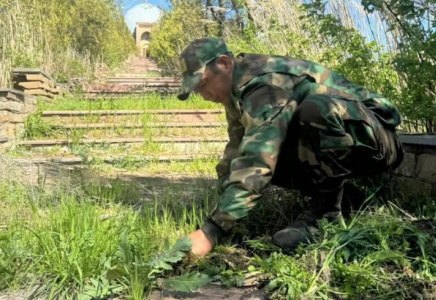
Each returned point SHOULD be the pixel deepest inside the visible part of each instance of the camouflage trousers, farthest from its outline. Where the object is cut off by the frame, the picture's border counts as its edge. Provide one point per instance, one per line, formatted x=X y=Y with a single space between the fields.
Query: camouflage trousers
x=329 y=140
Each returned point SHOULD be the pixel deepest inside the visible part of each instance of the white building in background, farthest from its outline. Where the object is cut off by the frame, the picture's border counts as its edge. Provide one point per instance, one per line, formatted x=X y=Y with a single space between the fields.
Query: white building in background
x=139 y=20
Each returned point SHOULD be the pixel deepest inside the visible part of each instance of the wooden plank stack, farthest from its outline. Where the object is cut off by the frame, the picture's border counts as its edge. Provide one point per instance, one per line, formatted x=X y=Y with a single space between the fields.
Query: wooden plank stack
x=36 y=82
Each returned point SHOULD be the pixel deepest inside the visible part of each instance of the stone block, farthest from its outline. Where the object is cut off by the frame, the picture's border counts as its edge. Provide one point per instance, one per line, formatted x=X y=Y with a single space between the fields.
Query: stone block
x=4 y=147
x=426 y=167
x=37 y=92
x=11 y=131
x=408 y=166
x=8 y=130
x=19 y=130
x=29 y=108
x=15 y=95
x=9 y=117
x=12 y=95
x=12 y=106
x=30 y=100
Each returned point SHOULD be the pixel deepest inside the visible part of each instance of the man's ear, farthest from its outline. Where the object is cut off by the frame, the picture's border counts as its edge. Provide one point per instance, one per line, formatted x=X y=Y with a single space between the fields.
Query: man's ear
x=225 y=61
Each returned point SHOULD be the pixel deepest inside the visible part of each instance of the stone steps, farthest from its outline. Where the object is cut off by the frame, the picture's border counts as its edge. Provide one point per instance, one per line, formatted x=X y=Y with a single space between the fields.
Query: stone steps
x=156 y=82
x=206 y=117
x=133 y=79
x=76 y=160
x=164 y=140
x=143 y=127
x=134 y=75
x=139 y=125
x=64 y=113
x=128 y=137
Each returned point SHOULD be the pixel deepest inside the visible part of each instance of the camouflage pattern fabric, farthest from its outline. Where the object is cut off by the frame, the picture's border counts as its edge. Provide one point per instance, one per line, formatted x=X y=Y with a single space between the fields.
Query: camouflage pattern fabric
x=339 y=130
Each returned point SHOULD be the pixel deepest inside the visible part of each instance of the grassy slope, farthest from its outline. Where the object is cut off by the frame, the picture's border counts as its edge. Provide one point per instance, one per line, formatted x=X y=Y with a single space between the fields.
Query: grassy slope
x=86 y=239
x=73 y=239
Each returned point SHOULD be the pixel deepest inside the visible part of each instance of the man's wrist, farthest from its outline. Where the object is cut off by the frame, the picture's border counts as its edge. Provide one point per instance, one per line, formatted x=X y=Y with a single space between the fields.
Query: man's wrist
x=212 y=231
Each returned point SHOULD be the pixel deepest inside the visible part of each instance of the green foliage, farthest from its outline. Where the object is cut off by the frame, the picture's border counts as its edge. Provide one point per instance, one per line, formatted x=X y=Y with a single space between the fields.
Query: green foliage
x=145 y=102
x=66 y=39
x=164 y=261
x=187 y=282
x=86 y=241
x=173 y=32
x=84 y=245
x=289 y=278
x=358 y=279
x=348 y=53
x=100 y=288
x=35 y=126
x=413 y=25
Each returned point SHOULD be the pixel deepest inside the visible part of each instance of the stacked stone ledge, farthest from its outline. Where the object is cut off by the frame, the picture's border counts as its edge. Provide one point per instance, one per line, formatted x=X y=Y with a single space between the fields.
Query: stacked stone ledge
x=37 y=83
x=418 y=169
x=15 y=106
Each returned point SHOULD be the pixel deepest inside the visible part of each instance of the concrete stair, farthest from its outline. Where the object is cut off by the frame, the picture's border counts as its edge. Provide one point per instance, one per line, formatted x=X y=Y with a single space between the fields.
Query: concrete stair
x=137 y=76
x=140 y=65
x=83 y=137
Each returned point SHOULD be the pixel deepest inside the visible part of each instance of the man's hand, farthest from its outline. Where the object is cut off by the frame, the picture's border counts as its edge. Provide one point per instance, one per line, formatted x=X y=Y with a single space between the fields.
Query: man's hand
x=201 y=245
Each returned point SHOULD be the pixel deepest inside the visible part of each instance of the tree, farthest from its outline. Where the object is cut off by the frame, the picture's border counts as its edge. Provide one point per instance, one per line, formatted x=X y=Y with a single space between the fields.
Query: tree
x=174 y=31
x=413 y=24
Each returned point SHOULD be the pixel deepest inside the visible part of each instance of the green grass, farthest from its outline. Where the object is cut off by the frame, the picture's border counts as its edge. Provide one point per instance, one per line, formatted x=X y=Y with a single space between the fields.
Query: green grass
x=122 y=130
x=103 y=150
x=147 y=101
x=197 y=167
x=37 y=126
x=73 y=240
x=86 y=238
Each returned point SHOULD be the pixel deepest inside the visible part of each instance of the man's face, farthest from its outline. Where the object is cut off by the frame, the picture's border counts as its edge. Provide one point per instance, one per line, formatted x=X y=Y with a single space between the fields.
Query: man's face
x=216 y=84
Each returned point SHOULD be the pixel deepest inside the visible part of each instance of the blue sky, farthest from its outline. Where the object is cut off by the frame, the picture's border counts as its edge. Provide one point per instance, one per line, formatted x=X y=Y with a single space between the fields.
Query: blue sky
x=127 y=4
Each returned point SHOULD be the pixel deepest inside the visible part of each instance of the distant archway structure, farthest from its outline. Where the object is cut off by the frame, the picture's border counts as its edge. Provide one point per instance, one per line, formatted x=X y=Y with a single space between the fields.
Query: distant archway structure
x=142 y=36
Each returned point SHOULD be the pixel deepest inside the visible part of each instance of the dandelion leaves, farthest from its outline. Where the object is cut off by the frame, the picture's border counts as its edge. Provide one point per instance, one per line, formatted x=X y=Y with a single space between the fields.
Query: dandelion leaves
x=187 y=282
x=165 y=260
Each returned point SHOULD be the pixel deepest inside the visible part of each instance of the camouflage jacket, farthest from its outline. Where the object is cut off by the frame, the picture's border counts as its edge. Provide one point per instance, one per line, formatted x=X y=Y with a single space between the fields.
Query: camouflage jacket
x=266 y=91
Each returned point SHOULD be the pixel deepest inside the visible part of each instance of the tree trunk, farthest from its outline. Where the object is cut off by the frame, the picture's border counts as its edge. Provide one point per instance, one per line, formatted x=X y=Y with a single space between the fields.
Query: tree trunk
x=238 y=15
x=221 y=17
x=249 y=15
x=207 y=16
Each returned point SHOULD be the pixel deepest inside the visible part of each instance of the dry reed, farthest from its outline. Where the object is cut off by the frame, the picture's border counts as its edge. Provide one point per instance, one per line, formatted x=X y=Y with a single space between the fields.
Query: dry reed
x=24 y=42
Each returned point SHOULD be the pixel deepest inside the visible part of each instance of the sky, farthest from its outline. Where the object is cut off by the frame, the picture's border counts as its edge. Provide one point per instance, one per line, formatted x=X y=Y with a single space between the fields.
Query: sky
x=127 y=4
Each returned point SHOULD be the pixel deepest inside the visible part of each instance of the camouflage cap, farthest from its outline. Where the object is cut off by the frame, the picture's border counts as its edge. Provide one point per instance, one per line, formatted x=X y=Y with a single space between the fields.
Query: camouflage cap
x=193 y=61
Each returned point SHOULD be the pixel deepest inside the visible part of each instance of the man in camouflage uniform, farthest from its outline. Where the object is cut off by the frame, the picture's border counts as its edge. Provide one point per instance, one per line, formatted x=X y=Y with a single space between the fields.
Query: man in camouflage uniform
x=292 y=123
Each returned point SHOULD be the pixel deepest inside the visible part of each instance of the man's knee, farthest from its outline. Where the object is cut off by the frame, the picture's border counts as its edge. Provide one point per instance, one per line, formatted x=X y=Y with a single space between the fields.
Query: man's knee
x=324 y=146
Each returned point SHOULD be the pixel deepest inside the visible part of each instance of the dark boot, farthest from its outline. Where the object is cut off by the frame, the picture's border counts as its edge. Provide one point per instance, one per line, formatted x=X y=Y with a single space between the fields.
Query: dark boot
x=326 y=204
x=300 y=232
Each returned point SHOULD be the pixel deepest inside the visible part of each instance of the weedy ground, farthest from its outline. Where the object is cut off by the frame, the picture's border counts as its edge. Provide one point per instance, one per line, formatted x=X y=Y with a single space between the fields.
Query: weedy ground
x=80 y=240
x=90 y=235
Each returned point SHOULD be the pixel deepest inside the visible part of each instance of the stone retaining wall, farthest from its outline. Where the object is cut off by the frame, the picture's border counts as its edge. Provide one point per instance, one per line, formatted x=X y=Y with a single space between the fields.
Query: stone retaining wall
x=418 y=169
x=15 y=106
